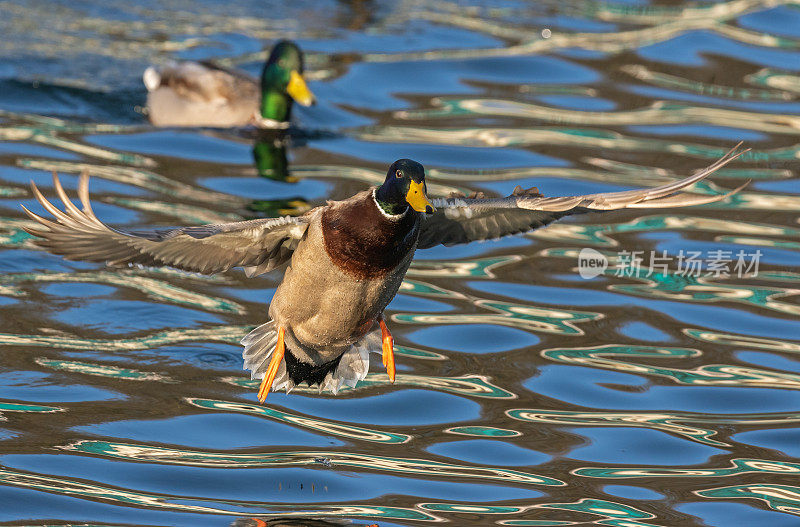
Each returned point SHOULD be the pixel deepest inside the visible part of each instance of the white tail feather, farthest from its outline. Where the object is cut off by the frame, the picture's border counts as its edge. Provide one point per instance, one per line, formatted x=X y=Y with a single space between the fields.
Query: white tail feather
x=260 y=343
x=151 y=78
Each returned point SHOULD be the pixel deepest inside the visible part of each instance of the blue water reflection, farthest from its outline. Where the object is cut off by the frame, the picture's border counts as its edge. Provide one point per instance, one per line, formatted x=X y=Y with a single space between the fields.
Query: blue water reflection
x=636 y=446
x=588 y=387
x=396 y=408
x=228 y=431
x=488 y=452
x=731 y=513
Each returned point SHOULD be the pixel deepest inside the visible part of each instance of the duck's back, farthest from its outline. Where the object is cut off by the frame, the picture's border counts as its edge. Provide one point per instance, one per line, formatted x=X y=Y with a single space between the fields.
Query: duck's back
x=194 y=94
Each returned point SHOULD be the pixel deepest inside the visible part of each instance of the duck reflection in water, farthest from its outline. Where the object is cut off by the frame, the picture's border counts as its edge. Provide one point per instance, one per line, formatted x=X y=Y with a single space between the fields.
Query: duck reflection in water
x=269 y=156
x=271 y=162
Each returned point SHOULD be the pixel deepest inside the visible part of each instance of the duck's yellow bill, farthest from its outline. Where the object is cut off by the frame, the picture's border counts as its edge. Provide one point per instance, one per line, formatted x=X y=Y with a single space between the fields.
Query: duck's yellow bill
x=298 y=90
x=417 y=199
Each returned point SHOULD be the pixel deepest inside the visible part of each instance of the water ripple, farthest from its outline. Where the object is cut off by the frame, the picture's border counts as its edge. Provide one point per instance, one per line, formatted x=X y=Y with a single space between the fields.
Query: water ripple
x=659 y=113
x=664 y=80
x=673 y=422
x=705 y=375
x=482 y=431
x=526 y=317
x=475 y=268
x=47 y=137
x=323 y=458
x=676 y=286
x=158 y=290
x=776 y=79
x=137 y=177
x=737 y=466
x=782 y=498
x=318 y=425
x=24 y=407
x=133 y=498
x=556 y=136
x=102 y=370
x=226 y=334
x=745 y=341
x=611 y=513
x=599 y=234
x=665 y=27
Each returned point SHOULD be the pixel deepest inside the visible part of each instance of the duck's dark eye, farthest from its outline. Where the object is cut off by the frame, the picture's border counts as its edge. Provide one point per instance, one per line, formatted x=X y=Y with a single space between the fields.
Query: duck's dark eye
x=282 y=63
x=399 y=173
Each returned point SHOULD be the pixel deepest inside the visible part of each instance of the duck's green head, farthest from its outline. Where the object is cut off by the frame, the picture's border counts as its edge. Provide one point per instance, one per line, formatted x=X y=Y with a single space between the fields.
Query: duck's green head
x=282 y=82
x=404 y=187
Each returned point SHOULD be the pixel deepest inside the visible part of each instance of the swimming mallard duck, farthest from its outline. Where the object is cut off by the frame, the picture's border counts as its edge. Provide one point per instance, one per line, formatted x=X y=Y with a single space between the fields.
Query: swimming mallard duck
x=344 y=260
x=201 y=94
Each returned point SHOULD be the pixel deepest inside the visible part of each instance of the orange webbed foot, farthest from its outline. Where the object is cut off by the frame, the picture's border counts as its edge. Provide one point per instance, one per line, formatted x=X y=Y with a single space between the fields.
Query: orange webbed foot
x=274 y=363
x=388 y=349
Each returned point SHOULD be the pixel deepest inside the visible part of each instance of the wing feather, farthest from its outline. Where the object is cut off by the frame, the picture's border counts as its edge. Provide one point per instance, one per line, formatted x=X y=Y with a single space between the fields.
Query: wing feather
x=462 y=220
x=76 y=234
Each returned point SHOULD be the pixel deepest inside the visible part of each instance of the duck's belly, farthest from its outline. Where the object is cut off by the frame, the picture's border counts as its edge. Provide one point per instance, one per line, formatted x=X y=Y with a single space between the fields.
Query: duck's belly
x=325 y=308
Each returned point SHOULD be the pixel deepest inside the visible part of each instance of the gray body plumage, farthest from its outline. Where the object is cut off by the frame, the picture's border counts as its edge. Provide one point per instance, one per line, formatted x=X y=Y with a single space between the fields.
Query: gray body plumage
x=196 y=94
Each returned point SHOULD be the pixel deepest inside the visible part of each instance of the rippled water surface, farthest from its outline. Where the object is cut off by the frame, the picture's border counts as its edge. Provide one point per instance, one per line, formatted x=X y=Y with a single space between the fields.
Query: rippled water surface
x=525 y=395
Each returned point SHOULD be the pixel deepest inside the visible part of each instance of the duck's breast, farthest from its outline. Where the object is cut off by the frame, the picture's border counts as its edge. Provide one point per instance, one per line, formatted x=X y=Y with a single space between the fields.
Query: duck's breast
x=330 y=300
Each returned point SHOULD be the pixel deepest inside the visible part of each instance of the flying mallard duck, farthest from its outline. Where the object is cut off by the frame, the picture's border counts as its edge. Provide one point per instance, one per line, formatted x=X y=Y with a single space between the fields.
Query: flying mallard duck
x=346 y=259
x=201 y=94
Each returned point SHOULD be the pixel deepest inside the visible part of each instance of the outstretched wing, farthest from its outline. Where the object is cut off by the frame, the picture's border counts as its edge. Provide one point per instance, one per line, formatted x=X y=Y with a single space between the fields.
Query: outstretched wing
x=463 y=220
x=257 y=245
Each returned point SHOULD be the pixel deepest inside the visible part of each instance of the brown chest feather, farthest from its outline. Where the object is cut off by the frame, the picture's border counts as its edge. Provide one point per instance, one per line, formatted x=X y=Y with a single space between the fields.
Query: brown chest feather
x=363 y=242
